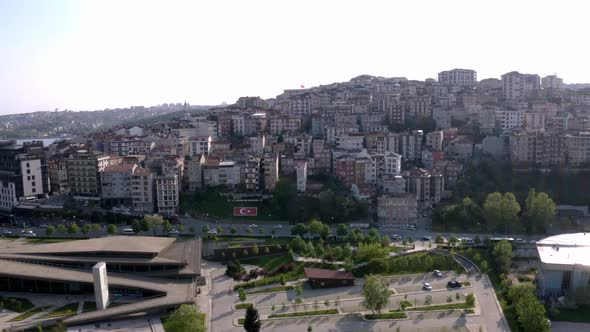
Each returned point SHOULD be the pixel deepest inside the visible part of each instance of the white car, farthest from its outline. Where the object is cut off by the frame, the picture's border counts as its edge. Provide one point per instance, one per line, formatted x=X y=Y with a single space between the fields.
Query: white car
x=42 y=226
x=128 y=231
x=28 y=234
x=437 y=274
x=253 y=226
x=6 y=232
x=212 y=232
x=427 y=286
x=174 y=232
x=278 y=226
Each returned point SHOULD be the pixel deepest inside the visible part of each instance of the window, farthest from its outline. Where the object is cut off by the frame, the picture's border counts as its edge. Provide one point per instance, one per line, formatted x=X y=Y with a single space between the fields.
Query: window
x=28 y=171
x=28 y=165
x=566 y=280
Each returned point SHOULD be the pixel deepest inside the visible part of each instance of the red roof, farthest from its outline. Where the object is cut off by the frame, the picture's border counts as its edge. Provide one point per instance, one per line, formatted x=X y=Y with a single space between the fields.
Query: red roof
x=313 y=273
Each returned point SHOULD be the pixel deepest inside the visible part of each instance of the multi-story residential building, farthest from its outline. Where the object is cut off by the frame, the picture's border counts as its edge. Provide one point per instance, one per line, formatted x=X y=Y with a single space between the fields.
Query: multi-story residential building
x=416 y=107
x=257 y=144
x=193 y=173
x=517 y=86
x=534 y=121
x=252 y=173
x=210 y=169
x=322 y=156
x=508 y=119
x=284 y=123
x=331 y=131
x=577 y=148
x=461 y=77
x=57 y=170
x=224 y=125
x=115 y=183
x=391 y=184
x=350 y=141
x=392 y=163
x=552 y=82
x=536 y=148
x=490 y=86
x=301 y=170
x=23 y=174
x=344 y=169
x=199 y=145
x=229 y=173
x=251 y=102
x=411 y=145
x=304 y=104
x=434 y=140
x=427 y=186
x=581 y=98
x=167 y=193
x=83 y=169
x=270 y=169
x=397 y=208
x=243 y=125
x=142 y=190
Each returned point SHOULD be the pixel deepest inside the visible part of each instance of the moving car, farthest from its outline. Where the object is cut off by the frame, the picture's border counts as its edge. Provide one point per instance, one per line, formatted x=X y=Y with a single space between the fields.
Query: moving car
x=212 y=232
x=28 y=233
x=454 y=284
x=427 y=286
x=6 y=232
x=426 y=238
x=437 y=274
x=173 y=232
x=42 y=226
x=253 y=226
x=128 y=231
x=278 y=226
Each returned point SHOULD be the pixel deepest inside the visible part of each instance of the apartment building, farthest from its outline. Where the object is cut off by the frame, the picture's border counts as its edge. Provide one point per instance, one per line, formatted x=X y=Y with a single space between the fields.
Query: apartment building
x=83 y=169
x=167 y=193
x=23 y=174
x=115 y=182
x=506 y=119
x=282 y=124
x=577 y=148
x=392 y=163
x=517 y=86
x=349 y=141
x=552 y=82
x=270 y=170
x=411 y=145
x=252 y=174
x=301 y=171
x=57 y=170
x=199 y=145
x=142 y=190
x=397 y=208
x=193 y=176
x=427 y=186
x=460 y=77
x=434 y=140
x=243 y=125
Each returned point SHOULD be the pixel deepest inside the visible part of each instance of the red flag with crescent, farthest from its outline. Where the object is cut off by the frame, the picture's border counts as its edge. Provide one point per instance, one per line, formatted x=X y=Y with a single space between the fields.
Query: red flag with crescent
x=245 y=211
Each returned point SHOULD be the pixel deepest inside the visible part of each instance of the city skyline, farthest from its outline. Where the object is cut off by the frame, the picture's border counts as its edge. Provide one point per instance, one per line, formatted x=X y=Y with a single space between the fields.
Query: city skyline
x=96 y=55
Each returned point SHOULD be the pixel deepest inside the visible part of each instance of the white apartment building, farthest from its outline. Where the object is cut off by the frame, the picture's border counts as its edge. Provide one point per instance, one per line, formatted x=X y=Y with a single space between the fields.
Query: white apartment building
x=301 y=170
x=331 y=131
x=577 y=148
x=282 y=124
x=434 y=140
x=552 y=82
x=193 y=173
x=534 y=121
x=460 y=77
x=517 y=86
x=229 y=173
x=115 y=181
x=393 y=163
x=349 y=141
x=83 y=173
x=397 y=208
x=142 y=190
x=199 y=145
x=411 y=145
x=580 y=98
x=167 y=194
x=508 y=119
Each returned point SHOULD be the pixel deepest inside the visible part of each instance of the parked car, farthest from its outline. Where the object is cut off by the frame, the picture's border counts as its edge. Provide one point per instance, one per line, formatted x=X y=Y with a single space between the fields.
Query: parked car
x=427 y=286
x=278 y=226
x=427 y=238
x=173 y=232
x=6 y=232
x=437 y=274
x=128 y=231
x=42 y=226
x=253 y=226
x=454 y=284
x=28 y=233
x=212 y=232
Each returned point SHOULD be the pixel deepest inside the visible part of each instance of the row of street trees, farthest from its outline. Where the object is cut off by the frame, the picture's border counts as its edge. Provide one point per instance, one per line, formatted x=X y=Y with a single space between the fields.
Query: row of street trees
x=501 y=212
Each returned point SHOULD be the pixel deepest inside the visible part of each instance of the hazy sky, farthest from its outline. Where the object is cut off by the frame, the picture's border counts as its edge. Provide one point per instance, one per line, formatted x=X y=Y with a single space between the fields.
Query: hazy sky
x=85 y=55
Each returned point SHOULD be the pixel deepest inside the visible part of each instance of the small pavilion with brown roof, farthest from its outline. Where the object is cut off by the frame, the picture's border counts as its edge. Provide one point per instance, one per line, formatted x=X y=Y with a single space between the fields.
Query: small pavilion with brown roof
x=322 y=278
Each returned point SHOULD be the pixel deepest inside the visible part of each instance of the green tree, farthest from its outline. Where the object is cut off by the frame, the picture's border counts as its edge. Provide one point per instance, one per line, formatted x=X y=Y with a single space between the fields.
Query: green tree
x=86 y=229
x=112 y=229
x=233 y=230
x=255 y=249
x=49 y=230
x=540 y=210
x=500 y=211
x=470 y=300
x=297 y=244
x=136 y=226
x=298 y=290
x=73 y=228
x=299 y=229
x=376 y=293
x=369 y=251
x=95 y=227
x=502 y=254
x=342 y=230
x=531 y=313
x=348 y=263
x=185 y=318
x=453 y=240
x=151 y=221
x=252 y=320
x=166 y=226
x=205 y=229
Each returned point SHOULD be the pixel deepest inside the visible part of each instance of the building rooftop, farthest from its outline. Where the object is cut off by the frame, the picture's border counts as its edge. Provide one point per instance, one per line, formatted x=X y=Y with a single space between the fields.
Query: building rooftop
x=565 y=249
x=313 y=273
x=127 y=168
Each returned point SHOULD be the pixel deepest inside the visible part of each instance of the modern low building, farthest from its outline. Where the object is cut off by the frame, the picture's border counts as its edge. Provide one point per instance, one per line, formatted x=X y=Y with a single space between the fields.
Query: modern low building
x=145 y=274
x=322 y=278
x=565 y=263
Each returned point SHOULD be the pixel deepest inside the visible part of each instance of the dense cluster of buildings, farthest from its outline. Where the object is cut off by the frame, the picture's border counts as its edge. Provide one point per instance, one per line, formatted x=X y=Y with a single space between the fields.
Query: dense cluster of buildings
x=372 y=133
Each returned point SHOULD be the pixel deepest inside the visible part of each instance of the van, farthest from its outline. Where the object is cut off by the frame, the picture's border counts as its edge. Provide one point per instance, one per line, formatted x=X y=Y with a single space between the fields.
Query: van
x=128 y=231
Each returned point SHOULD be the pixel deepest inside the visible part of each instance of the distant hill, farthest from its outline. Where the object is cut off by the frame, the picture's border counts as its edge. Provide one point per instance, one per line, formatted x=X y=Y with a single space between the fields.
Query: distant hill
x=60 y=123
x=577 y=86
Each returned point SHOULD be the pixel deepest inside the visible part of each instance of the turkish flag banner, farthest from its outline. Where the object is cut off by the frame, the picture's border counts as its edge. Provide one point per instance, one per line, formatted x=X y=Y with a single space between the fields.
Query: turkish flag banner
x=245 y=211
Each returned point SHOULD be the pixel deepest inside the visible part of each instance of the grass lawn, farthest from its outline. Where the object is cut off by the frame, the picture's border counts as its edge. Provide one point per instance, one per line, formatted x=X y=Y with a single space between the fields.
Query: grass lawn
x=243 y=305
x=449 y=306
x=16 y=304
x=29 y=313
x=305 y=313
x=214 y=205
x=269 y=262
x=406 y=303
x=272 y=289
x=579 y=315
x=391 y=292
x=68 y=309
x=200 y=323
x=241 y=321
x=389 y=315
x=418 y=262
